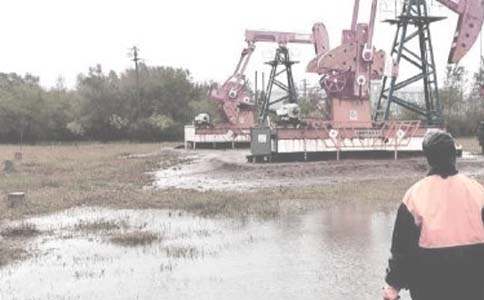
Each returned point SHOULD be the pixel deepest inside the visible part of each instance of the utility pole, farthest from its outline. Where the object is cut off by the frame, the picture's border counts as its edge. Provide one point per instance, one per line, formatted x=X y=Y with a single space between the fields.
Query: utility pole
x=134 y=54
x=135 y=58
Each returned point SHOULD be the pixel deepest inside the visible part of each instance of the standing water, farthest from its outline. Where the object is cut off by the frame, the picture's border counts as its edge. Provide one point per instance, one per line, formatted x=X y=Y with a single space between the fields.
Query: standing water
x=338 y=253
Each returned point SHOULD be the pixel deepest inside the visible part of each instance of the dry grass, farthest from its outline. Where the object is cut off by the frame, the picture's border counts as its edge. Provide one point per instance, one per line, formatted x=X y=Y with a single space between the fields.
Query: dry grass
x=100 y=226
x=11 y=252
x=24 y=230
x=182 y=252
x=112 y=175
x=470 y=144
x=62 y=176
x=135 y=238
x=13 y=240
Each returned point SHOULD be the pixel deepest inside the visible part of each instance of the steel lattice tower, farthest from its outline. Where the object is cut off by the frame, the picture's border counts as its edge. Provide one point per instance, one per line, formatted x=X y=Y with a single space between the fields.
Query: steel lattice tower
x=413 y=46
x=281 y=59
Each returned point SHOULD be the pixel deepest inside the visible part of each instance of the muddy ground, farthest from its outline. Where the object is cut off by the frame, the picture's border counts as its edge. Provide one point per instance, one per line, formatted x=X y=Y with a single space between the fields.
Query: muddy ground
x=229 y=171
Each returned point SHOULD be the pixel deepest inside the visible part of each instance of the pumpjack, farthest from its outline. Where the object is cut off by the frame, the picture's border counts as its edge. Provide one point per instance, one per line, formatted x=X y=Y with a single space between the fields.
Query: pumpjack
x=346 y=74
x=237 y=104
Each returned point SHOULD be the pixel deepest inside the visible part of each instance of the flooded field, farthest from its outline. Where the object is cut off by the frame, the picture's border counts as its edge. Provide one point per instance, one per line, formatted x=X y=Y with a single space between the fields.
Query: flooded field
x=338 y=253
x=137 y=222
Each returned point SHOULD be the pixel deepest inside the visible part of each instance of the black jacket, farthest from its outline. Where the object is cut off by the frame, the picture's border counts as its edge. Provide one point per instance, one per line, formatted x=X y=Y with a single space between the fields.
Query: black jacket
x=433 y=267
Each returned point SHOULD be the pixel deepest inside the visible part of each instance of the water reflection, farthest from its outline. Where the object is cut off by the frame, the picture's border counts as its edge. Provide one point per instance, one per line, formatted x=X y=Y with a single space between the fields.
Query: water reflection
x=337 y=253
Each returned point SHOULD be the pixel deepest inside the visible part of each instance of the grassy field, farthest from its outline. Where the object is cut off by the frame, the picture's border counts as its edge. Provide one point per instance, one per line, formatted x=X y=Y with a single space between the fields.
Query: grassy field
x=59 y=177
x=62 y=176
x=113 y=175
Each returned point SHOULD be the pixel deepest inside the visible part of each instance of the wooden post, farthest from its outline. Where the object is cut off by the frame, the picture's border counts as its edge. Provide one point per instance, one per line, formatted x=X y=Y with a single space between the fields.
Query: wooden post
x=18 y=155
x=338 y=146
x=305 y=150
x=15 y=199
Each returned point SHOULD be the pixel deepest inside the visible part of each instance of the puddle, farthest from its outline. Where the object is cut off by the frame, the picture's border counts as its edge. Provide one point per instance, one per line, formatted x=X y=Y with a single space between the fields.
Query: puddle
x=207 y=171
x=338 y=253
x=197 y=174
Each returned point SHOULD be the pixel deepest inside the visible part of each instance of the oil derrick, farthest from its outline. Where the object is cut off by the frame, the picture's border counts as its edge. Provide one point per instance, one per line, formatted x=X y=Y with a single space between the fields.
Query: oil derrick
x=281 y=59
x=413 y=46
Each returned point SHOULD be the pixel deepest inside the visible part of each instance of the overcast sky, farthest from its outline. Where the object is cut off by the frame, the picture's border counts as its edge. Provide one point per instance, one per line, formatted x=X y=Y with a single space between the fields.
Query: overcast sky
x=52 y=38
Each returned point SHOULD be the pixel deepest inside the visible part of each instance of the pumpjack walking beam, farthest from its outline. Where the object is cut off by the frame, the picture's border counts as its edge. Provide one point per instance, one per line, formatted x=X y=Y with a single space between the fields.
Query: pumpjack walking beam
x=413 y=24
x=281 y=59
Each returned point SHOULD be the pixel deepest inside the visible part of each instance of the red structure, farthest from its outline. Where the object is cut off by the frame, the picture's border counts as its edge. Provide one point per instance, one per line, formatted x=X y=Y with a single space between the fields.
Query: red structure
x=346 y=72
x=237 y=104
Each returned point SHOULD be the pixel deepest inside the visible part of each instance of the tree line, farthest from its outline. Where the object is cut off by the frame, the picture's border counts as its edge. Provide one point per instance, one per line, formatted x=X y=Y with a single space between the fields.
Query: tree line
x=155 y=103
x=463 y=100
x=103 y=106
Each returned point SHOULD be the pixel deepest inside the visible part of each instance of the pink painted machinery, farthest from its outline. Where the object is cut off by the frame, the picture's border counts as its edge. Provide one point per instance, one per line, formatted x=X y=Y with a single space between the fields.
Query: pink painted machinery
x=348 y=69
x=346 y=73
x=471 y=18
x=236 y=102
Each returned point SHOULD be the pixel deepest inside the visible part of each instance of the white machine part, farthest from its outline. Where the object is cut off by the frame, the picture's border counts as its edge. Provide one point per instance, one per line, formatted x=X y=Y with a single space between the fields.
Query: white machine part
x=288 y=112
x=202 y=119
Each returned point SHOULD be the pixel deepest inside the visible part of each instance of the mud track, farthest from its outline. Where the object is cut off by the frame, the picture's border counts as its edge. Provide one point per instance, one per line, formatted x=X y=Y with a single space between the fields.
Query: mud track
x=228 y=170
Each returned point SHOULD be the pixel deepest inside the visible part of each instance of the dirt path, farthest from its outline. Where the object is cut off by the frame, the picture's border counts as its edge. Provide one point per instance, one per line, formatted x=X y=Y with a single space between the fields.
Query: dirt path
x=228 y=170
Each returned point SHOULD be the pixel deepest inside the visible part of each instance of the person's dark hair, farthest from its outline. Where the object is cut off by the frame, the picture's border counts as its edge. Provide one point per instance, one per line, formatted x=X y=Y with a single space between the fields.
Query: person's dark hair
x=439 y=148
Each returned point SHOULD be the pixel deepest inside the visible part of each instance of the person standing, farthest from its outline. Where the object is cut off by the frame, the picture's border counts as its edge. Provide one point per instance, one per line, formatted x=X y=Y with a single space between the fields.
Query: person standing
x=438 y=239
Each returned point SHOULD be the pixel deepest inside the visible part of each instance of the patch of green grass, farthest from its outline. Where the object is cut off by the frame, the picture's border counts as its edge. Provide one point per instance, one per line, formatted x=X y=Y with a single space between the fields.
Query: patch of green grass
x=135 y=238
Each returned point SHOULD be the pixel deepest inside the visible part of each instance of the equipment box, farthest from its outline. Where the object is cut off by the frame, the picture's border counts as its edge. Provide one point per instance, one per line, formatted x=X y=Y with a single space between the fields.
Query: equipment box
x=260 y=141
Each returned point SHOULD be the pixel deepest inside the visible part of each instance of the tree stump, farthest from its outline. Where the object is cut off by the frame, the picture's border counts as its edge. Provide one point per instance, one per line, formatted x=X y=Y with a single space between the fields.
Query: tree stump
x=8 y=166
x=15 y=199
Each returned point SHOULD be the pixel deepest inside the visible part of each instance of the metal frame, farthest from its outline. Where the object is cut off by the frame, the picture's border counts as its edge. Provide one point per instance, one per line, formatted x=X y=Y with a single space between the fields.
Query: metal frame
x=414 y=16
x=339 y=138
x=281 y=59
x=480 y=135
